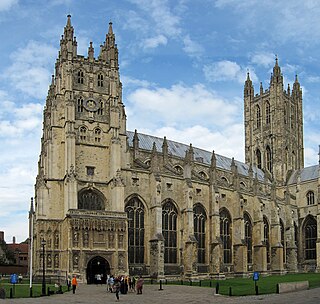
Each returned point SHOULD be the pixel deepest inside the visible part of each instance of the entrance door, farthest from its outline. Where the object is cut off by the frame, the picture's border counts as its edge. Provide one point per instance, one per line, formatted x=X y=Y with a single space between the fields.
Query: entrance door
x=97 y=265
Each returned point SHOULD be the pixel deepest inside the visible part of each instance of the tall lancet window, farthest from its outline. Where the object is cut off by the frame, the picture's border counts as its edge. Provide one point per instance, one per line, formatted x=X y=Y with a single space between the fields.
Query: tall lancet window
x=199 y=221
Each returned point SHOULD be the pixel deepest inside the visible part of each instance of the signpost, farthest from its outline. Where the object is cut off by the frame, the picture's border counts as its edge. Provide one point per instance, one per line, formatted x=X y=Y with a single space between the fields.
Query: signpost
x=256 y=278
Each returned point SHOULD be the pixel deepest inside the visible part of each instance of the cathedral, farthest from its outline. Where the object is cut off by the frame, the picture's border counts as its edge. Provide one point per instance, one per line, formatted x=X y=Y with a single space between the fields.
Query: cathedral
x=113 y=201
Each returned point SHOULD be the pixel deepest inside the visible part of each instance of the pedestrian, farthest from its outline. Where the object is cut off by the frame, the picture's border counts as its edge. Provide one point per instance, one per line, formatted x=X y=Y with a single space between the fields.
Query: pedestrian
x=117 y=288
x=74 y=283
x=139 y=285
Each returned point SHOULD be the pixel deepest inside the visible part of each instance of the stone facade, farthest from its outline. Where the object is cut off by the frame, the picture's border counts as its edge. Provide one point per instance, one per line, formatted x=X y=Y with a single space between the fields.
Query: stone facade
x=112 y=201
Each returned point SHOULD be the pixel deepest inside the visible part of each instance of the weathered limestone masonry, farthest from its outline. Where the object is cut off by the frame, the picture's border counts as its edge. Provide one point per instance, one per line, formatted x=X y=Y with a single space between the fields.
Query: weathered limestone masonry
x=113 y=201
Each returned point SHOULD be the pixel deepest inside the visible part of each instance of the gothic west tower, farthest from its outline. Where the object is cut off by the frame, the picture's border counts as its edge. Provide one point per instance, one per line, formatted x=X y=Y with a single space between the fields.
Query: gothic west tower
x=274 y=126
x=79 y=201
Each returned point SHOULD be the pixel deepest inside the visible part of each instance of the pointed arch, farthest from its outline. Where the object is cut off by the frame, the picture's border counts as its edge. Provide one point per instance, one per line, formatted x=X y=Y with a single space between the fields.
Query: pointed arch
x=310 y=238
x=269 y=159
x=268 y=113
x=258 y=159
x=248 y=235
x=199 y=224
x=136 y=232
x=169 y=231
x=310 y=197
x=258 y=116
x=91 y=199
x=225 y=235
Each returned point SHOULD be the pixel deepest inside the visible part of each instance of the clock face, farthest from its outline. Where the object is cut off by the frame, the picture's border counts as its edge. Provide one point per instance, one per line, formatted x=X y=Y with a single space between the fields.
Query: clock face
x=91 y=105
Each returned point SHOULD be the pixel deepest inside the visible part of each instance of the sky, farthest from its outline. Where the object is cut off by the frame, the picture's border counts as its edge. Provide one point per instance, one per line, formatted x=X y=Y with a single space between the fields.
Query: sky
x=183 y=64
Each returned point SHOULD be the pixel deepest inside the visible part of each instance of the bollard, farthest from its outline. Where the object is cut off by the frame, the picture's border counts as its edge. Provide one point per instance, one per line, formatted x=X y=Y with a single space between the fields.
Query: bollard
x=200 y=283
x=257 y=290
x=30 y=292
x=11 y=293
x=166 y=282
x=217 y=288
x=160 y=285
x=48 y=293
x=277 y=288
x=210 y=284
x=181 y=282
x=151 y=281
x=230 y=291
x=190 y=283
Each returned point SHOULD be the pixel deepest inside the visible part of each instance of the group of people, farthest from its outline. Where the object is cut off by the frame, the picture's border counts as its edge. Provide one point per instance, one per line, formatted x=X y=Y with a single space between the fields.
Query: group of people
x=120 y=284
x=123 y=284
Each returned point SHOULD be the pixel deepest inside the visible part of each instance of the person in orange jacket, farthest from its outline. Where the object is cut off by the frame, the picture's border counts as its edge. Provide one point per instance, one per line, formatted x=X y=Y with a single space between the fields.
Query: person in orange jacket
x=74 y=283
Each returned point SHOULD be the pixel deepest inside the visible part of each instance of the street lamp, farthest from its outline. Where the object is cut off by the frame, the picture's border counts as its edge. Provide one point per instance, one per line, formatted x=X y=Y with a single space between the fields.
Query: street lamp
x=43 y=243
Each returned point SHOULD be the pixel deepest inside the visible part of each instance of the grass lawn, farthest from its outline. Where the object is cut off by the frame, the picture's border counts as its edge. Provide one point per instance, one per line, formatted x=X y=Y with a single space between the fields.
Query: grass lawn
x=246 y=286
x=23 y=290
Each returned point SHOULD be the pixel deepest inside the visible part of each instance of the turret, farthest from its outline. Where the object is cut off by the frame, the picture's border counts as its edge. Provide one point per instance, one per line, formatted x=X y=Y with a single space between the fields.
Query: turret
x=68 y=43
x=248 y=87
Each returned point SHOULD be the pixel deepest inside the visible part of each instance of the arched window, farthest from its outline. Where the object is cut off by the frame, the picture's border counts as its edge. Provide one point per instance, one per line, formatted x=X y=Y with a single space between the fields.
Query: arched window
x=258 y=156
x=199 y=221
x=258 y=117
x=269 y=159
x=90 y=199
x=100 y=80
x=135 y=213
x=310 y=198
x=266 y=233
x=282 y=240
x=83 y=133
x=97 y=135
x=169 y=231
x=268 y=113
x=285 y=115
x=310 y=235
x=80 y=77
x=248 y=236
x=80 y=105
x=225 y=235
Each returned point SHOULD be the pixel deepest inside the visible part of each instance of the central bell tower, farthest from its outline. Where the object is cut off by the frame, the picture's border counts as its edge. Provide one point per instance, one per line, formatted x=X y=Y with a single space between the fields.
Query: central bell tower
x=274 y=126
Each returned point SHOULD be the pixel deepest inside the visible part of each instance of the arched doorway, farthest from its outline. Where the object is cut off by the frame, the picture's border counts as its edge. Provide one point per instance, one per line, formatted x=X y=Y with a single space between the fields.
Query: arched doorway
x=97 y=265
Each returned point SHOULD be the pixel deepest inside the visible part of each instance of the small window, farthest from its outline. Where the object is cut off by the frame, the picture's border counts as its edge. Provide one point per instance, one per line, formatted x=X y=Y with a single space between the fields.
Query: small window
x=100 y=110
x=90 y=171
x=80 y=77
x=100 y=80
x=310 y=198
x=97 y=135
x=80 y=104
x=83 y=133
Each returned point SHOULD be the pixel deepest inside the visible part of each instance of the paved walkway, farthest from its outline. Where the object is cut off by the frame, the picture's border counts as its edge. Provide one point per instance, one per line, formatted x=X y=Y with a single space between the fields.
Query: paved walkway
x=86 y=294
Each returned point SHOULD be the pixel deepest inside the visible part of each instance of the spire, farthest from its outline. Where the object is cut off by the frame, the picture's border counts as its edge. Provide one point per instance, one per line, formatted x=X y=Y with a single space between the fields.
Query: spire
x=91 y=51
x=261 y=89
x=135 y=144
x=165 y=149
x=31 y=211
x=68 y=29
x=68 y=44
x=296 y=85
x=110 y=31
x=276 y=76
x=213 y=160
x=109 y=50
x=248 y=88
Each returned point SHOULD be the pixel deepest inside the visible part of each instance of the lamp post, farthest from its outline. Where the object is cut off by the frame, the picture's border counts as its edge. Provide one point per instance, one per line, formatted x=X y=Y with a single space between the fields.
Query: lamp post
x=43 y=243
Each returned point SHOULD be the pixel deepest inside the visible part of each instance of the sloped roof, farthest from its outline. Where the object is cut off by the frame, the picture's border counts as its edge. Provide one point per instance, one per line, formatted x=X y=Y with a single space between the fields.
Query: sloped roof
x=306 y=174
x=179 y=150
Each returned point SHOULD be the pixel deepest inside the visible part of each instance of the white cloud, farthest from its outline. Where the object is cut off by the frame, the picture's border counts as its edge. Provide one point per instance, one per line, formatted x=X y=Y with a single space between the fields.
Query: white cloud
x=192 y=48
x=179 y=105
x=30 y=70
x=6 y=5
x=227 y=70
x=154 y=42
x=264 y=59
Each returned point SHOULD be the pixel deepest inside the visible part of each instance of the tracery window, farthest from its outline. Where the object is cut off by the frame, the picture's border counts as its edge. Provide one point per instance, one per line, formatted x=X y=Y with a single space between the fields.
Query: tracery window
x=80 y=77
x=90 y=199
x=83 y=133
x=266 y=233
x=258 y=117
x=199 y=221
x=225 y=235
x=269 y=159
x=310 y=234
x=169 y=231
x=100 y=80
x=135 y=214
x=97 y=135
x=310 y=198
x=248 y=236
x=268 y=113
x=80 y=105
